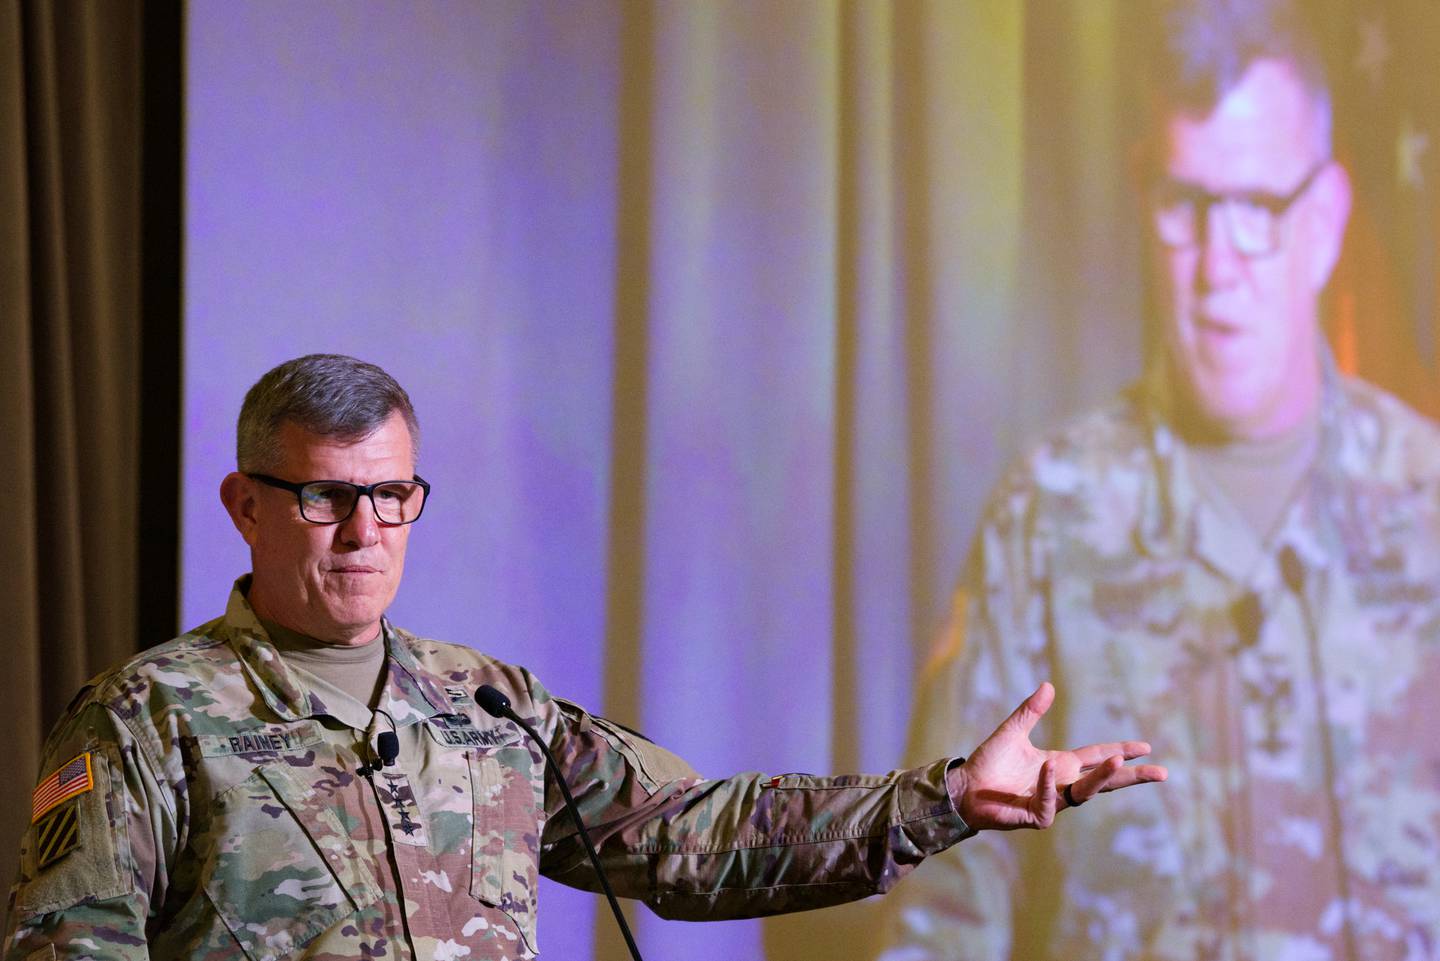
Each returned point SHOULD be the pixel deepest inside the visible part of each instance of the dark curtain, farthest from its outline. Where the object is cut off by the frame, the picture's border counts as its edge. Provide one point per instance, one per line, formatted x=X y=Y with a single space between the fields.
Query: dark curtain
x=89 y=316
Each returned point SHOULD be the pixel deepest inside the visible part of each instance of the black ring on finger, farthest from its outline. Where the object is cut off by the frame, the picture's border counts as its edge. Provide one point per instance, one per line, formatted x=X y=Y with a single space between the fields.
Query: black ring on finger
x=1070 y=798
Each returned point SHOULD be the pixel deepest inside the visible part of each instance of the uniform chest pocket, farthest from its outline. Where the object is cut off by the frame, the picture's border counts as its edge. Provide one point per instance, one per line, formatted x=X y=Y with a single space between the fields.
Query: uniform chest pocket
x=282 y=867
x=508 y=790
x=1146 y=602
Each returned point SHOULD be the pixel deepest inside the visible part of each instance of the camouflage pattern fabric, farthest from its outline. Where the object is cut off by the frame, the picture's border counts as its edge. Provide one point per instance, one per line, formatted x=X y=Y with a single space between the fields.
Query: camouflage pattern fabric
x=232 y=815
x=1157 y=613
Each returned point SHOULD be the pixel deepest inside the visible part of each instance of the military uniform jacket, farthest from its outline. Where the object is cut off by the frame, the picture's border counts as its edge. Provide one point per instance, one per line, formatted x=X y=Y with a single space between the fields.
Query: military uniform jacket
x=201 y=803
x=1291 y=686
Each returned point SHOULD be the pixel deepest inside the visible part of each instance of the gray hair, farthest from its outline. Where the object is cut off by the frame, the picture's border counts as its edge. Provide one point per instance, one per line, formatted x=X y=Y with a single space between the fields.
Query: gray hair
x=1201 y=49
x=326 y=394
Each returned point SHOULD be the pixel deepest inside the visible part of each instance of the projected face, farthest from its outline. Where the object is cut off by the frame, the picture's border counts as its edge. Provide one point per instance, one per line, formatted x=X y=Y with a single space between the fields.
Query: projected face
x=330 y=581
x=1248 y=214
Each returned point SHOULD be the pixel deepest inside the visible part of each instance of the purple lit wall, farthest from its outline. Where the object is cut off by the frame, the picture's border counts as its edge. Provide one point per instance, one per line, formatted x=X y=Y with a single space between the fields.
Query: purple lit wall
x=381 y=180
x=356 y=183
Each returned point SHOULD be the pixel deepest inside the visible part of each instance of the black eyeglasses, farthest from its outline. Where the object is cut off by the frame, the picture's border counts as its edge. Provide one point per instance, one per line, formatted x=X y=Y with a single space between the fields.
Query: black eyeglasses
x=1253 y=218
x=332 y=501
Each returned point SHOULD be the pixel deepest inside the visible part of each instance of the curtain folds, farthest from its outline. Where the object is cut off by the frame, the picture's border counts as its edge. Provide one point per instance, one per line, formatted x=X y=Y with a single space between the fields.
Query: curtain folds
x=70 y=266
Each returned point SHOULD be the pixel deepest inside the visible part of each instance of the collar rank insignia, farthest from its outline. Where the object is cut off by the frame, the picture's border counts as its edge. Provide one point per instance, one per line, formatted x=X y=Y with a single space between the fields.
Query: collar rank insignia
x=457 y=695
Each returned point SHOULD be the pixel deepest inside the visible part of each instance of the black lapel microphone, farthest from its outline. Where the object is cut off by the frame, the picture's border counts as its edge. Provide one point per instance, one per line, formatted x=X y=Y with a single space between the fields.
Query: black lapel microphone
x=1248 y=616
x=387 y=746
x=498 y=705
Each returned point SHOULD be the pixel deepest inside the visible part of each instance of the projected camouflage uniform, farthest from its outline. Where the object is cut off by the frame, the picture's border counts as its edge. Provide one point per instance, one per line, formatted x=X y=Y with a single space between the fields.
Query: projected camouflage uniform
x=1100 y=565
x=217 y=804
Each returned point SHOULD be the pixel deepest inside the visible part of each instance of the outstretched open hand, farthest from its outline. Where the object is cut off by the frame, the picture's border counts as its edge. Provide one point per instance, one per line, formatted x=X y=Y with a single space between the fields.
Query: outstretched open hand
x=1009 y=783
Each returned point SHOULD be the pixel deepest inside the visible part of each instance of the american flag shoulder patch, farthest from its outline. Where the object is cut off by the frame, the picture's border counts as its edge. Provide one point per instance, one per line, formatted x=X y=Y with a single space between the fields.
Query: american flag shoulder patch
x=71 y=780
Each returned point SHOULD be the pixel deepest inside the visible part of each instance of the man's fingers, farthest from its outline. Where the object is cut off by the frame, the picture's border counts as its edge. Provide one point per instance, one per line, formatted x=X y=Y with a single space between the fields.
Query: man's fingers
x=1111 y=775
x=1094 y=781
x=1139 y=774
x=1044 y=803
x=1092 y=754
x=1024 y=717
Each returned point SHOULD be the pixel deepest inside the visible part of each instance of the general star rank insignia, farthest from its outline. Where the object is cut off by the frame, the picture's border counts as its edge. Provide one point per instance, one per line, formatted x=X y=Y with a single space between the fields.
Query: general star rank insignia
x=406 y=825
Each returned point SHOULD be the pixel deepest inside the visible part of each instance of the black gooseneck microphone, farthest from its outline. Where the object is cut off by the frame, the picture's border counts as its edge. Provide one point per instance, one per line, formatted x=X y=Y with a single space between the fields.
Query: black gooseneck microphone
x=1292 y=570
x=498 y=705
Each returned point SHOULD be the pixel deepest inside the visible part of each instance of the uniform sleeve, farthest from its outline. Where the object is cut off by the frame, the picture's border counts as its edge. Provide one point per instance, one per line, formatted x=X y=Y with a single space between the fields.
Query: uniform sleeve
x=90 y=866
x=992 y=655
x=745 y=846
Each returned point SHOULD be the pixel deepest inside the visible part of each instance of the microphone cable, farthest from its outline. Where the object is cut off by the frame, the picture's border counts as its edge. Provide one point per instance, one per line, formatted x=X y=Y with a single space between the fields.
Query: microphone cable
x=497 y=705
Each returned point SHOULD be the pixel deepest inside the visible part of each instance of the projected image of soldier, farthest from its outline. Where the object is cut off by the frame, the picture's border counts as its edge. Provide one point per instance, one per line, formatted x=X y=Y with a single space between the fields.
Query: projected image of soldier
x=1239 y=555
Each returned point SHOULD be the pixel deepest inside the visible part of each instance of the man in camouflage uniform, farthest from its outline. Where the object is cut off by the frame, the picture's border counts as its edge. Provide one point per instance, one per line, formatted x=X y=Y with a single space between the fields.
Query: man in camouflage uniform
x=1240 y=556
x=226 y=793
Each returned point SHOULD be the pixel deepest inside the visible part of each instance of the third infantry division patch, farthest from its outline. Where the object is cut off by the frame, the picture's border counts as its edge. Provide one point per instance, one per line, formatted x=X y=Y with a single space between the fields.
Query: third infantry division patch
x=57 y=836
